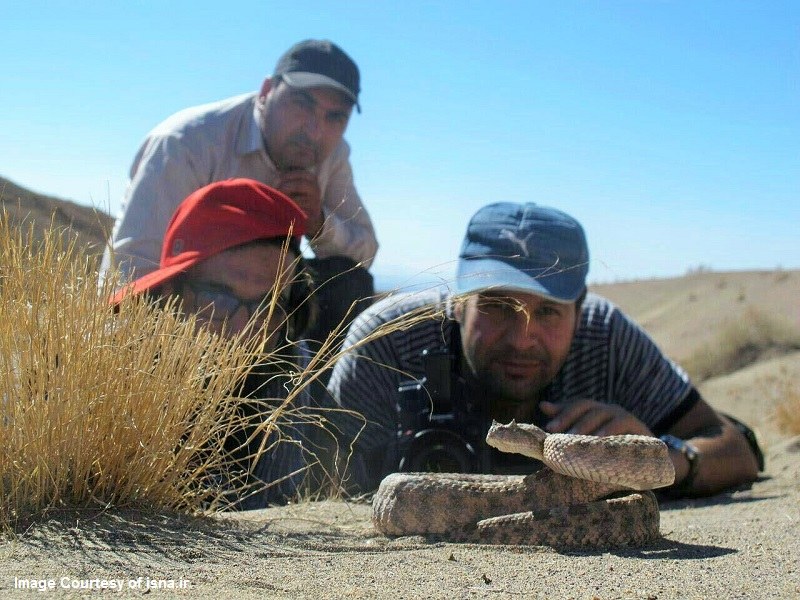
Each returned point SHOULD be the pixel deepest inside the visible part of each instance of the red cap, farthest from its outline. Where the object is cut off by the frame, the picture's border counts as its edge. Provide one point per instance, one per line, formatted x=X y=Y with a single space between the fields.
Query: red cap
x=214 y=218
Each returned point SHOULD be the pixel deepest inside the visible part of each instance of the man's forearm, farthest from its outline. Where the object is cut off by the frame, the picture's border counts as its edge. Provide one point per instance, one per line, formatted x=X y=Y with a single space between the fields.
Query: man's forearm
x=724 y=460
x=341 y=237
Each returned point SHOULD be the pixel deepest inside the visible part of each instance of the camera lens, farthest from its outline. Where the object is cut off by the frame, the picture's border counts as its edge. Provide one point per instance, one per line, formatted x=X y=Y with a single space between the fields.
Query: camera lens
x=439 y=451
x=441 y=459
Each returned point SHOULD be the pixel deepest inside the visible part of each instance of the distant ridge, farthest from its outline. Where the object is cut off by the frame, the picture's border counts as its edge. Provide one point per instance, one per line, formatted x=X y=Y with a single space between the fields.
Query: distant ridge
x=90 y=227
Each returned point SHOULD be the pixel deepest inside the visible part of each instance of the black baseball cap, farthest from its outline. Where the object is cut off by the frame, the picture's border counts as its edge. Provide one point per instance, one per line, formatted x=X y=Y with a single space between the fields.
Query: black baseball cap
x=313 y=63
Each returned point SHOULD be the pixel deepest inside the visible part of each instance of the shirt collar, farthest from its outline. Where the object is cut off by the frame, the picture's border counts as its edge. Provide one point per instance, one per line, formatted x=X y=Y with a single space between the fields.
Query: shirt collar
x=251 y=139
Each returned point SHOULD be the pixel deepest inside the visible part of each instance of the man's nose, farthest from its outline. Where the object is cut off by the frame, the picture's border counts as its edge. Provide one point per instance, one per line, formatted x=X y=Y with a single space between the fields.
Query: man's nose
x=522 y=332
x=313 y=126
x=237 y=322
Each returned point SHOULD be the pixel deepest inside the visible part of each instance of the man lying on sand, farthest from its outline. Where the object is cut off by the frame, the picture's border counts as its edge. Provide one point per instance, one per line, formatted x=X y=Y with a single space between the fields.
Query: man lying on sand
x=230 y=247
x=520 y=340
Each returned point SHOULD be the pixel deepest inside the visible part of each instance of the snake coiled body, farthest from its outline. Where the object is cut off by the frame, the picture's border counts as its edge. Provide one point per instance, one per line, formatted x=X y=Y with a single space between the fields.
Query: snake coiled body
x=583 y=498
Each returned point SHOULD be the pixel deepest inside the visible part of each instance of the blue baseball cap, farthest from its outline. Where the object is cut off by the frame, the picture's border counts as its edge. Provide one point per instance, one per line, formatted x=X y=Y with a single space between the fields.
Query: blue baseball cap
x=524 y=248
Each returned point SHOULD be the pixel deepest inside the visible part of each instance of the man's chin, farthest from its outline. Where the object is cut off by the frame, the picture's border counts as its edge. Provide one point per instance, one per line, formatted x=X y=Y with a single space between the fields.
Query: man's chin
x=516 y=390
x=300 y=160
x=294 y=166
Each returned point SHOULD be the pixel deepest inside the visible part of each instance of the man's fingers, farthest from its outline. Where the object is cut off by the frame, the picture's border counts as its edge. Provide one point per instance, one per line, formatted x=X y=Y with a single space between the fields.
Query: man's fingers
x=295 y=187
x=568 y=415
x=303 y=188
x=298 y=178
x=624 y=423
x=550 y=409
x=591 y=422
x=587 y=417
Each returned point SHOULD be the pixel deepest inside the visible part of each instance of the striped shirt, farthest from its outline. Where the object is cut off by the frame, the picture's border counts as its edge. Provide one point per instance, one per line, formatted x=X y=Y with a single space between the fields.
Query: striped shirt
x=611 y=360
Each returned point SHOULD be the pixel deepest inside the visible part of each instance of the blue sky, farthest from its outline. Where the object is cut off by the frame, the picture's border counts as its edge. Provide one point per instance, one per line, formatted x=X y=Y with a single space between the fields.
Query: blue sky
x=671 y=130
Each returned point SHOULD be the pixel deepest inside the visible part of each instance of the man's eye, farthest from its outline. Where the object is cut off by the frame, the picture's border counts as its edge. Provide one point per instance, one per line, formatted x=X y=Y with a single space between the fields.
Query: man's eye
x=496 y=307
x=337 y=118
x=303 y=101
x=548 y=312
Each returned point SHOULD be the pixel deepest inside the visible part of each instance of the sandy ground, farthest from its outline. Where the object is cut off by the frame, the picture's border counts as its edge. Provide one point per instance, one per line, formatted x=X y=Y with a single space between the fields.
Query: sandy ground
x=741 y=544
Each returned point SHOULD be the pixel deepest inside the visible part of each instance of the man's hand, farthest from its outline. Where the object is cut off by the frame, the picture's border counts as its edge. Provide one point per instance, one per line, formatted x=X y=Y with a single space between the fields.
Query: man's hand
x=588 y=417
x=302 y=187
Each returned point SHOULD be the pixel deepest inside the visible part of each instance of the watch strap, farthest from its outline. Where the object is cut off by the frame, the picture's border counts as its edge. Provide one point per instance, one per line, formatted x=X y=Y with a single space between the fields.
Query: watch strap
x=692 y=456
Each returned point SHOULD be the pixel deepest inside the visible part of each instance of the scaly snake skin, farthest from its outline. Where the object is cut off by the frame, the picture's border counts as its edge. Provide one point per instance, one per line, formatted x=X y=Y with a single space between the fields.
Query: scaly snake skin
x=581 y=499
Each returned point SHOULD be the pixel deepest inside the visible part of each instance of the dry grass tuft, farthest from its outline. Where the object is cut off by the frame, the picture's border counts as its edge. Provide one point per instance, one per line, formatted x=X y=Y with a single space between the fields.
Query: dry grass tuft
x=753 y=337
x=101 y=409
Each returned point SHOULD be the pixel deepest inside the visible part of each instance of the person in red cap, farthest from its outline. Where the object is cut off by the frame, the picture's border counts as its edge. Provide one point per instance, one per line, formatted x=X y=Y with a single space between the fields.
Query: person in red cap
x=288 y=135
x=224 y=256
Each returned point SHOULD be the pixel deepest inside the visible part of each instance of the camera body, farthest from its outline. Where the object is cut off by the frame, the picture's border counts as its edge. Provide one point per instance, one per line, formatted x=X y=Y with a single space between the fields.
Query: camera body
x=439 y=427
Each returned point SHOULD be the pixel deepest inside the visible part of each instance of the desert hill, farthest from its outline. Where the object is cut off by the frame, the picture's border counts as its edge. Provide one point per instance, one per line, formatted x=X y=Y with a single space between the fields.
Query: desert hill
x=90 y=227
x=684 y=313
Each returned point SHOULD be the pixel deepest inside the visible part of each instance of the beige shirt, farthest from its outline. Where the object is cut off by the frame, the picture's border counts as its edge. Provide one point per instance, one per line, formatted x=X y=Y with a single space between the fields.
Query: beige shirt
x=217 y=141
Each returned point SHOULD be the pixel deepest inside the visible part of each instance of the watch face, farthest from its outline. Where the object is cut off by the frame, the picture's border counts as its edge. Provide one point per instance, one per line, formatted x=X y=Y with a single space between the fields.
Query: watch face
x=689 y=451
x=692 y=456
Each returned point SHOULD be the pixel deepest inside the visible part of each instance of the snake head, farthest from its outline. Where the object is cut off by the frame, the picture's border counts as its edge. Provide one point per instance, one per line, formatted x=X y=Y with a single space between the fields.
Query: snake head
x=519 y=438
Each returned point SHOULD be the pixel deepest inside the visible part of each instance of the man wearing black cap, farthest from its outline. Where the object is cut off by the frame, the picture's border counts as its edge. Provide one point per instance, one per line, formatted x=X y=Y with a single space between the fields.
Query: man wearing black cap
x=288 y=135
x=519 y=338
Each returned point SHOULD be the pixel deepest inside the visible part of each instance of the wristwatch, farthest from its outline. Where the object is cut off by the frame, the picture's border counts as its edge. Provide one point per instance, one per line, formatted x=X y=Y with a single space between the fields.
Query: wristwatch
x=692 y=457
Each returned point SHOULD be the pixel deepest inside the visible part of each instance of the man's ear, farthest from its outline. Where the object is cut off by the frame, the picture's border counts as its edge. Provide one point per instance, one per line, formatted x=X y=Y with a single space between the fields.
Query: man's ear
x=265 y=88
x=458 y=308
x=578 y=308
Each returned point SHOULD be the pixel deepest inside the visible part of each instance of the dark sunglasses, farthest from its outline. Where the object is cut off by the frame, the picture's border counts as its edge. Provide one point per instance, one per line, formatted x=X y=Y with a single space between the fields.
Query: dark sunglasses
x=225 y=304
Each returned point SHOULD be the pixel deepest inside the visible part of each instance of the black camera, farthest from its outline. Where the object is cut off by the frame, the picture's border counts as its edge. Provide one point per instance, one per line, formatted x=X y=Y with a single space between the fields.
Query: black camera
x=439 y=427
